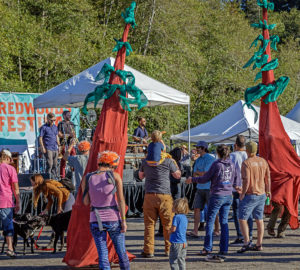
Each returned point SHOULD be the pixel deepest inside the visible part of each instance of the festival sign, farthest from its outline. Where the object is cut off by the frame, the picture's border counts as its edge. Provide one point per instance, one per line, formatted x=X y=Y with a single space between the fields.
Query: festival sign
x=17 y=118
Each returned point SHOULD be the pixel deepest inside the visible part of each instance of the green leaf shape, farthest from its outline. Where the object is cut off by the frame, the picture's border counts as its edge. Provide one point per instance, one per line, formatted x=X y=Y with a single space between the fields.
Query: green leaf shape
x=128 y=15
x=274 y=40
x=263 y=25
x=120 y=45
x=261 y=61
x=259 y=38
x=271 y=65
x=280 y=85
x=265 y=4
x=104 y=73
x=106 y=90
x=258 y=91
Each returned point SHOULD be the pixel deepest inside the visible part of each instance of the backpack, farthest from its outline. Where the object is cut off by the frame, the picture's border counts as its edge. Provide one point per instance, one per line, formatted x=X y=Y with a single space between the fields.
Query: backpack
x=111 y=180
x=67 y=183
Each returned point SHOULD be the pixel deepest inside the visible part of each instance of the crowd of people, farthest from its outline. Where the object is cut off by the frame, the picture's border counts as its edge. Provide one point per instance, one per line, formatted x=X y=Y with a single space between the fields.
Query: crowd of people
x=238 y=179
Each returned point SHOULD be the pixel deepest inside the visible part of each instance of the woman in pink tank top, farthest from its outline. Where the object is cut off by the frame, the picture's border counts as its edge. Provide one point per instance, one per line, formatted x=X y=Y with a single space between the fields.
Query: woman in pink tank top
x=107 y=214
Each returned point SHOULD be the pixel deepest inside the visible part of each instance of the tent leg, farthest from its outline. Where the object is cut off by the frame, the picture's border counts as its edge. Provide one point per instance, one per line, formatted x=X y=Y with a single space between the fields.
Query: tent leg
x=37 y=160
x=189 y=128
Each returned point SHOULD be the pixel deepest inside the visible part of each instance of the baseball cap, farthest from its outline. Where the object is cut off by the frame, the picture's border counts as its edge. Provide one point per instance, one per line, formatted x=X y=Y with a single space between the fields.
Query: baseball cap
x=251 y=147
x=7 y=153
x=203 y=144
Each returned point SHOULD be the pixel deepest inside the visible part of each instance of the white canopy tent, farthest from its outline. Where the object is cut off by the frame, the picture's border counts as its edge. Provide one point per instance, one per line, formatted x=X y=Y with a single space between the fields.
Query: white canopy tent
x=237 y=119
x=294 y=114
x=73 y=91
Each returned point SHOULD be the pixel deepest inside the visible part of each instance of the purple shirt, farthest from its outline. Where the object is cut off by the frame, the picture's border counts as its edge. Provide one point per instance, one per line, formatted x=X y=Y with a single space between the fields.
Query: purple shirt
x=49 y=133
x=223 y=176
x=101 y=196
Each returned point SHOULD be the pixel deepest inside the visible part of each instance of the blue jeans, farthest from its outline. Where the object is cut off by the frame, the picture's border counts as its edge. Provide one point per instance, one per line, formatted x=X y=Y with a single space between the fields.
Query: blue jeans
x=217 y=204
x=235 y=209
x=114 y=230
x=203 y=214
x=6 y=219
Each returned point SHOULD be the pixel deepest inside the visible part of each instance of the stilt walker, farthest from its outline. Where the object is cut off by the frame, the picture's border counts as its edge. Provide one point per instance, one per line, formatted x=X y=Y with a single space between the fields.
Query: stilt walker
x=274 y=143
x=110 y=134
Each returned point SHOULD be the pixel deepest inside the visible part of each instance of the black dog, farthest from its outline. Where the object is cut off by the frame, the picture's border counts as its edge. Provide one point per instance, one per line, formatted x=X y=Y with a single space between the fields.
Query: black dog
x=25 y=225
x=59 y=224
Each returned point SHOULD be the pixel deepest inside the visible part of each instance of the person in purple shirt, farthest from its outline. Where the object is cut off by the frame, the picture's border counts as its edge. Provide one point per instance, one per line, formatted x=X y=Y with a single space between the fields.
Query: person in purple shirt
x=49 y=143
x=224 y=178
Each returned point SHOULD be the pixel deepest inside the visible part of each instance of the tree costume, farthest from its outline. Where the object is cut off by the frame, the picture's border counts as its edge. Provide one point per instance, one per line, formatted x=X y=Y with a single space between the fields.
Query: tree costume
x=110 y=134
x=274 y=143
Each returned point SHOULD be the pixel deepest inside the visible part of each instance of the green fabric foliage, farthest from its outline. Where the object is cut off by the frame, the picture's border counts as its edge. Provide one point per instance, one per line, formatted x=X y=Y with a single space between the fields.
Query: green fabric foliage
x=258 y=91
x=280 y=85
x=271 y=65
x=261 y=61
x=106 y=90
x=120 y=45
x=260 y=37
x=139 y=97
x=128 y=15
x=274 y=40
x=105 y=72
x=265 y=4
x=263 y=25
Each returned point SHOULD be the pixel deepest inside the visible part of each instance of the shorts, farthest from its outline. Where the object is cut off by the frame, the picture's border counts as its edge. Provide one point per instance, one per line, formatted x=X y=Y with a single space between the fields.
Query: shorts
x=252 y=204
x=6 y=218
x=201 y=198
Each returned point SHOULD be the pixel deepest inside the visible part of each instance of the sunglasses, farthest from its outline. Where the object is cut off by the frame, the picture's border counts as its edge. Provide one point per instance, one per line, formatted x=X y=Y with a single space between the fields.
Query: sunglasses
x=52 y=120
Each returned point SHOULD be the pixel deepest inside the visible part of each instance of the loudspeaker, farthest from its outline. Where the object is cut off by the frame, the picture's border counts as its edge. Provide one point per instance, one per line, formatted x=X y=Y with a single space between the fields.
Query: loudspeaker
x=24 y=178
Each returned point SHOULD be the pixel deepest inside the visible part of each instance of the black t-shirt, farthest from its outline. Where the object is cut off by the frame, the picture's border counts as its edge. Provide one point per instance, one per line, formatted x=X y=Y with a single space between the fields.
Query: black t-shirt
x=66 y=128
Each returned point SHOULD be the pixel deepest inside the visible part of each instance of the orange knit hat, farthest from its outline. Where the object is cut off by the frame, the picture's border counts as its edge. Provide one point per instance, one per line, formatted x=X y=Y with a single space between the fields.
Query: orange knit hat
x=84 y=146
x=109 y=157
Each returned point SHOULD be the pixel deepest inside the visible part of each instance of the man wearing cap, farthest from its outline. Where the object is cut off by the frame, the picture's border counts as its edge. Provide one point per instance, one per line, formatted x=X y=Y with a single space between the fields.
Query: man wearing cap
x=49 y=143
x=158 y=201
x=8 y=186
x=201 y=166
x=66 y=132
x=256 y=184
x=238 y=157
x=78 y=162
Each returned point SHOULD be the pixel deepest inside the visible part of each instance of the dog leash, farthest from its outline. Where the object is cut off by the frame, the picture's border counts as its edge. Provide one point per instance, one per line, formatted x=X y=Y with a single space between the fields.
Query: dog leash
x=36 y=245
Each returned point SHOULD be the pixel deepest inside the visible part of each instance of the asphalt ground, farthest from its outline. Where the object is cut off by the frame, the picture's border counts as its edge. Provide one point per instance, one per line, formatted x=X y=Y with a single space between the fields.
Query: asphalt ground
x=277 y=254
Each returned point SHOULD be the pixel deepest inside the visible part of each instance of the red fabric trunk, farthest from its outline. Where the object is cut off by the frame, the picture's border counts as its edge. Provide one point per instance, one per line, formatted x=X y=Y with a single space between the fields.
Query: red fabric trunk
x=276 y=148
x=110 y=134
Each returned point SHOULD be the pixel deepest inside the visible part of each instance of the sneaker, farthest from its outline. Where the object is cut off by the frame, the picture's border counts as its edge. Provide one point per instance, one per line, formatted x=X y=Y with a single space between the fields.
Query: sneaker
x=214 y=258
x=147 y=255
x=201 y=227
x=281 y=235
x=11 y=253
x=271 y=232
x=237 y=242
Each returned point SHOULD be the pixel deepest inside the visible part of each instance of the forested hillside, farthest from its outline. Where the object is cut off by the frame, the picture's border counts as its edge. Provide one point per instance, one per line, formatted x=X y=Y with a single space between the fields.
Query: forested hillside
x=198 y=47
